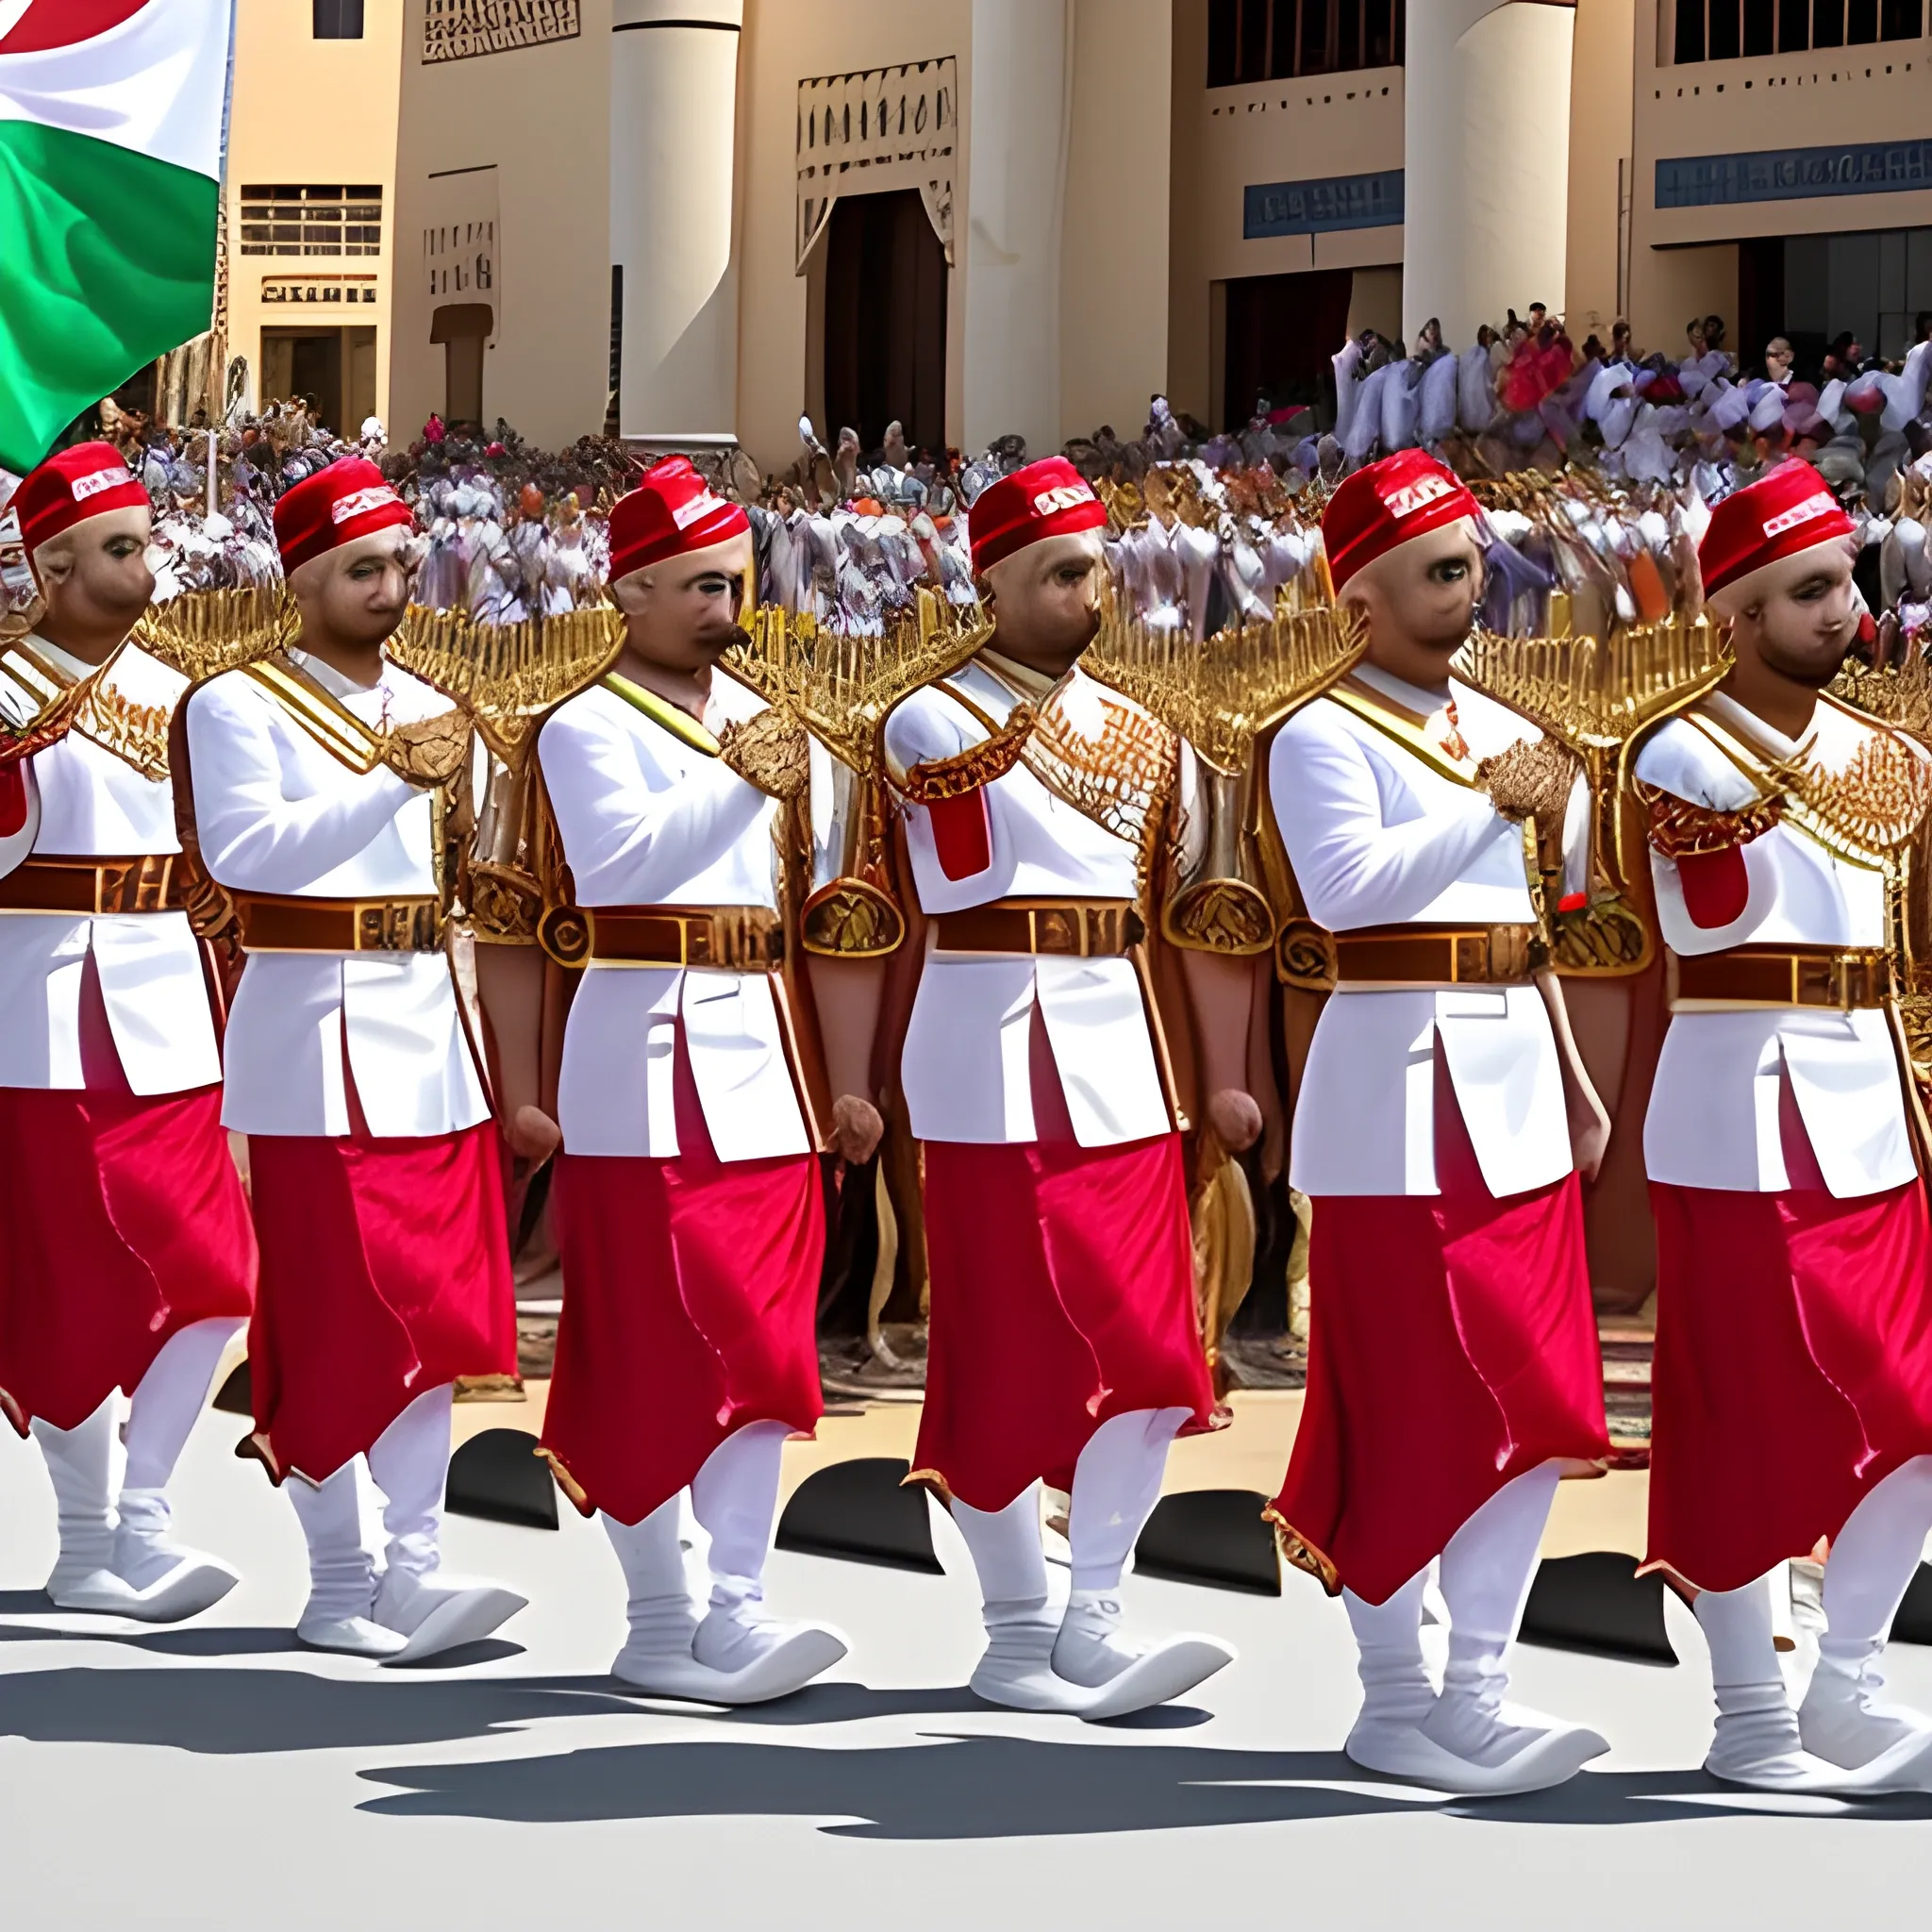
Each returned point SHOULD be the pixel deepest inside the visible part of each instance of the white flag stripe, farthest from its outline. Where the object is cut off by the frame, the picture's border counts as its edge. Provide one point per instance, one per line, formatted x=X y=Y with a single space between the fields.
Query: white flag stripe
x=153 y=84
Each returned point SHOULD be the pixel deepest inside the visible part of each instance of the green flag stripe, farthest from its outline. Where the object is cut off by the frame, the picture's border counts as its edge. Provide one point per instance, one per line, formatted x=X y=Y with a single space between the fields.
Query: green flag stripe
x=108 y=260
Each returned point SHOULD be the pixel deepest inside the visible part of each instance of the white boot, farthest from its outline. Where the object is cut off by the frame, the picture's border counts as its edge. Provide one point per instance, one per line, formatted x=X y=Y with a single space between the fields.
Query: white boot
x=416 y=1598
x=1017 y=1668
x=80 y=1464
x=341 y=1573
x=169 y=1582
x=1845 y=1720
x=1092 y=1652
x=1500 y=1747
x=1398 y=1696
x=1486 y=1572
x=1758 y=1741
x=759 y=1653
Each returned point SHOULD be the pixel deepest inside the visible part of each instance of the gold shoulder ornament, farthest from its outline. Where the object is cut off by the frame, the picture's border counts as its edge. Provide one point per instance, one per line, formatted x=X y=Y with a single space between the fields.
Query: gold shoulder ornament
x=841 y=687
x=1598 y=695
x=1224 y=696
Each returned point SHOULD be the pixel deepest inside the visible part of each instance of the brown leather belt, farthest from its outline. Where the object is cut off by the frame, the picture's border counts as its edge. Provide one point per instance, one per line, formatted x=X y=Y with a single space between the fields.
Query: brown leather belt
x=1844 y=978
x=1439 y=955
x=1073 y=928
x=744 y=938
x=273 y=924
x=94 y=887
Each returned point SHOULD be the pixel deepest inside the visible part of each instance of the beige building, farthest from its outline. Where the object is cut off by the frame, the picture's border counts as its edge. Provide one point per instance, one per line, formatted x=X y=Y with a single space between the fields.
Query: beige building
x=697 y=219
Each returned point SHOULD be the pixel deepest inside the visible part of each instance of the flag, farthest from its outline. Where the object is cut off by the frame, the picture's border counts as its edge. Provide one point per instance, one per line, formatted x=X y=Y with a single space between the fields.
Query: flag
x=110 y=142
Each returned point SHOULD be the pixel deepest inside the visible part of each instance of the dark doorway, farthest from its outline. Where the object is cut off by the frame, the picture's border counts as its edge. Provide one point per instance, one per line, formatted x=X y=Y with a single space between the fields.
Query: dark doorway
x=1760 y=299
x=462 y=328
x=305 y=364
x=886 y=320
x=1282 y=332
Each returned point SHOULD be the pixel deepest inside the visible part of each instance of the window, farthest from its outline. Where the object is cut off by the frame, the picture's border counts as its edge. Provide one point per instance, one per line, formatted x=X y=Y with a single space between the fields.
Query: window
x=1727 y=29
x=311 y=221
x=337 y=19
x=1293 y=40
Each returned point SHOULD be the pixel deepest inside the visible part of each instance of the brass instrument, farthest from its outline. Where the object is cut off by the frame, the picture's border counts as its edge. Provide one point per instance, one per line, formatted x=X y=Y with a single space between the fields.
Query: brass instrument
x=1223 y=696
x=203 y=633
x=1597 y=695
x=840 y=686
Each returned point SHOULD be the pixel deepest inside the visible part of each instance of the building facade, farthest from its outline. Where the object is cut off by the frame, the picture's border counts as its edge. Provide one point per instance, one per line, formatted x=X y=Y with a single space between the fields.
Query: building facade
x=691 y=221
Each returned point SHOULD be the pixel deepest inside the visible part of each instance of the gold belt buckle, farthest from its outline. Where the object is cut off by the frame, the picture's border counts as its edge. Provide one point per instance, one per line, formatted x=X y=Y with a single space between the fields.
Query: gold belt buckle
x=1857 y=979
x=140 y=885
x=395 y=926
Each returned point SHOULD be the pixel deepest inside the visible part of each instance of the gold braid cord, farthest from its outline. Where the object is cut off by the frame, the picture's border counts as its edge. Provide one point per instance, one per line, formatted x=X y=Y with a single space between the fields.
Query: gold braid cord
x=934 y=779
x=1681 y=829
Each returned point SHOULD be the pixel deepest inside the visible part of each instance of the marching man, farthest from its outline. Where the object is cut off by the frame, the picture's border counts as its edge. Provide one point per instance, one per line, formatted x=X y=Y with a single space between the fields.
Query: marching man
x=128 y=1262
x=1453 y=1370
x=688 y=1187
x=378 y=1189
x=1792 y=1386
x=1063 y=1341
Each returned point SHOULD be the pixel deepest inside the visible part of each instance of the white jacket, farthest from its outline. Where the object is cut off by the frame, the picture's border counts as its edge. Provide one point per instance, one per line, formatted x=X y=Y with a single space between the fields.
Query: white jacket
x=1713 y=1119
x=1378 y=837
x=89 y=801
x=275 y=812
x=965 y=1070
x=648 y=820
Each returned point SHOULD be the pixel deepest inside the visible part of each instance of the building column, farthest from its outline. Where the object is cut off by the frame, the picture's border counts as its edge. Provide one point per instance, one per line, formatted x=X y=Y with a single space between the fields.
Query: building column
x=1018 y=127
x=673 y=122
x=1485 y=137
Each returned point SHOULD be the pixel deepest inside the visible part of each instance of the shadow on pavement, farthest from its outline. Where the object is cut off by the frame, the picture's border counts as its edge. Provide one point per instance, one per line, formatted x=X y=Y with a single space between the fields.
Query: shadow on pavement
x=952 y=1788
x=986 y=1788
x=223 y=1712
x=1658 y=1797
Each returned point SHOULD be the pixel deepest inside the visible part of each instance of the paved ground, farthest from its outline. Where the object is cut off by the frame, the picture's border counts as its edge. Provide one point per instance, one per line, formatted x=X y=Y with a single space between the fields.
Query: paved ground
x=212 y=1777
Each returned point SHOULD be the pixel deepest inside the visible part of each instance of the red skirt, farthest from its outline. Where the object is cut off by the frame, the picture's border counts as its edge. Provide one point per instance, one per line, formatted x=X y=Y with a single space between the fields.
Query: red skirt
x=122 y=1221
x=384 y=1273
x=1062 y=1294
x=689 y=1311
x=1452 y=1347
x=1793 y=1370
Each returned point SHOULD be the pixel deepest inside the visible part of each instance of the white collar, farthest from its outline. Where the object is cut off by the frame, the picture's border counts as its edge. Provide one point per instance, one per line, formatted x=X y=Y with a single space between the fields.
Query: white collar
x=332 y=680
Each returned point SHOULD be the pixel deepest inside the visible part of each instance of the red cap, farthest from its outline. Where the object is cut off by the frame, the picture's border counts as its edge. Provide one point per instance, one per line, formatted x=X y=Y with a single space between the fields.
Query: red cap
x=334 y=507
x=672 y=512
x=1789 y=510
x=1049 y=498
x=70 y=487
x=1382 y=505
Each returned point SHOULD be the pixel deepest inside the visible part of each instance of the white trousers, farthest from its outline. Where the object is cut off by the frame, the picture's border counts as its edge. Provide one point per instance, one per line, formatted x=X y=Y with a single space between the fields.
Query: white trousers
x=1871 y=1565
x=735 y=1498
x=1116 y=1484
x=1486 y=1572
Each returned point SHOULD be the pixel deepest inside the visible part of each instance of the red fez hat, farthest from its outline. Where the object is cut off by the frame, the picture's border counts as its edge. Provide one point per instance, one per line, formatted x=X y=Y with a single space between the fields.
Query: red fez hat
x=1049 y=498
x=1779 y=515
x=71 y=486
x=672 y=512
x=334 y=507
x=1386 y=503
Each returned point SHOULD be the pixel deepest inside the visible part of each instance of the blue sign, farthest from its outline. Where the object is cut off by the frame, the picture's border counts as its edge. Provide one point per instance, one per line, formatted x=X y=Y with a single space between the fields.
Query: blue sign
x=1320 y=208
x=1793 y=173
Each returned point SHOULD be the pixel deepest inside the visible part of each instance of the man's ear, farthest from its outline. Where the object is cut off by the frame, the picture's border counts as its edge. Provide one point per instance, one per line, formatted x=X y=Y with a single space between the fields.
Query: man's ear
x=632 y=594
x=51 y=564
